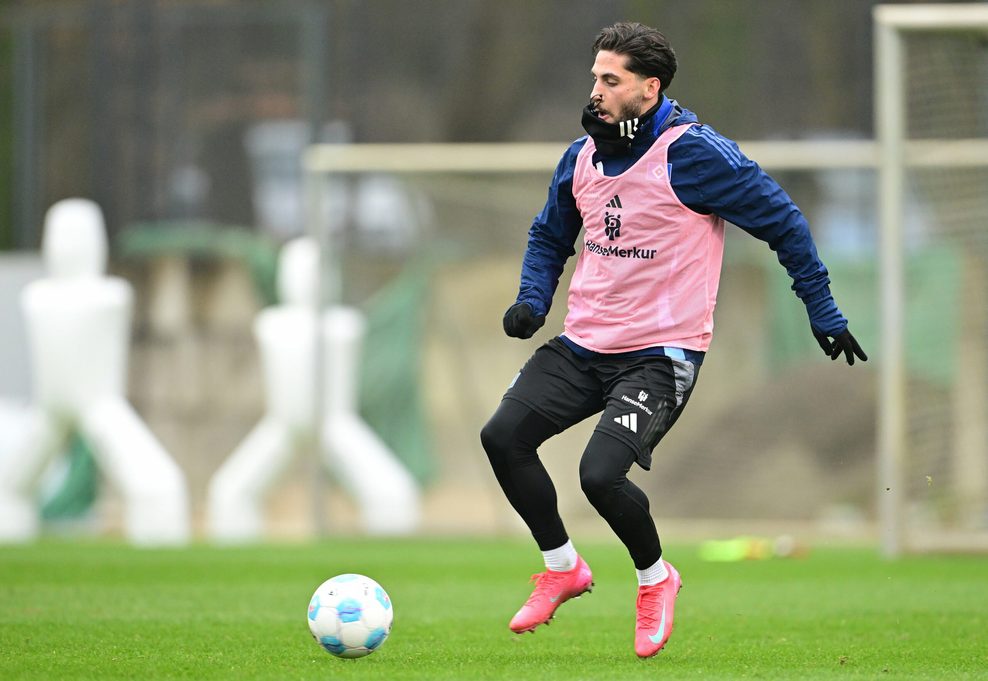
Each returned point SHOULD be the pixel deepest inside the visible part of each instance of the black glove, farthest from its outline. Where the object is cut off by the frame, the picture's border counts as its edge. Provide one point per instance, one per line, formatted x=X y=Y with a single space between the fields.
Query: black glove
x=843 y=342
x=521 y=322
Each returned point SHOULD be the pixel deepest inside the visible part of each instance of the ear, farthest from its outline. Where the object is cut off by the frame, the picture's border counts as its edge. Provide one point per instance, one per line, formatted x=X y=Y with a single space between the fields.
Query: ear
x=652 y=87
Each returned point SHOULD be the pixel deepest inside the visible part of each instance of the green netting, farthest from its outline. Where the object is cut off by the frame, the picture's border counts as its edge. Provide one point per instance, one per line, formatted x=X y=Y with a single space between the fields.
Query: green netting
x=932 y=322
x=77 y=494
x=207 y=240
x=390 y=393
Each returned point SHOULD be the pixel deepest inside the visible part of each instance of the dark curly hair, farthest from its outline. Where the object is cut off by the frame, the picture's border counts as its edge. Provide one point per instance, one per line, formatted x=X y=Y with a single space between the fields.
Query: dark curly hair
x=648 y=51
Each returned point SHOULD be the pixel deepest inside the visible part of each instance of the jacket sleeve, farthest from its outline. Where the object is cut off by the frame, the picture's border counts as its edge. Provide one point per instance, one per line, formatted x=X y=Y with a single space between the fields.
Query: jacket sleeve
x=551 y=237
x=711 y=175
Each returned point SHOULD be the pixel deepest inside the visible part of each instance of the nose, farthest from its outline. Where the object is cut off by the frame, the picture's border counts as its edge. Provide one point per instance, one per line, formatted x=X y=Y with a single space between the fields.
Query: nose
x=597 y=91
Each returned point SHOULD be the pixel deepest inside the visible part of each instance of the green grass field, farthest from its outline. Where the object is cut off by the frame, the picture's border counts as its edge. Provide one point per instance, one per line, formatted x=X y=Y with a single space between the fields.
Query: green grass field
x=101 y=610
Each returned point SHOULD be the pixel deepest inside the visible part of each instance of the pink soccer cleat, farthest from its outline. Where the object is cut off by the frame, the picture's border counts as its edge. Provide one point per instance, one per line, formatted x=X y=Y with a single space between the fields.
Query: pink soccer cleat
x=655 y=609
x=552 y=589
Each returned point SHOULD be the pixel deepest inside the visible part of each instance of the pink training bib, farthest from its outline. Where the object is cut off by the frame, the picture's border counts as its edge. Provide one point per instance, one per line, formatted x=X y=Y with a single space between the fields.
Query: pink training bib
x=649 y=268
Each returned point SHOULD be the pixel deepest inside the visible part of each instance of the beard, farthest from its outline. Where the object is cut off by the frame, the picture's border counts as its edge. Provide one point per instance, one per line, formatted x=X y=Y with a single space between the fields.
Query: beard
x=629 y=110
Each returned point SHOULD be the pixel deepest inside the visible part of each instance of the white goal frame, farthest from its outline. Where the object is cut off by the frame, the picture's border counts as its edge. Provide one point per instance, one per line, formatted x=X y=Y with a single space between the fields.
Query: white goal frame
x=891 y=22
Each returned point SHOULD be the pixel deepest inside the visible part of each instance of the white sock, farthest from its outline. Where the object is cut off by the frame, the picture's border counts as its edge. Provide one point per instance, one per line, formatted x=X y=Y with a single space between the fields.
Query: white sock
x=652 y=575
x=562 y=559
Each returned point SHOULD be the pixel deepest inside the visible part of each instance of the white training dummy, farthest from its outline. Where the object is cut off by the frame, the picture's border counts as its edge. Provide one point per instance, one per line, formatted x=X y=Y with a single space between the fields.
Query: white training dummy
x=385 y=492
x=78 y=326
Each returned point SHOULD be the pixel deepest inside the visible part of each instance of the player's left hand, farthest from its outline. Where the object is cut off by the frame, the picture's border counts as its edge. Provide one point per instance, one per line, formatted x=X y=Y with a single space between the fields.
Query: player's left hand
x=843 y=343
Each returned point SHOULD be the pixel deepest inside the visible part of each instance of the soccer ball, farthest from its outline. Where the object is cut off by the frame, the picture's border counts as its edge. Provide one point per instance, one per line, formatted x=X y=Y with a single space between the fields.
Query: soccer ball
x=350 y=615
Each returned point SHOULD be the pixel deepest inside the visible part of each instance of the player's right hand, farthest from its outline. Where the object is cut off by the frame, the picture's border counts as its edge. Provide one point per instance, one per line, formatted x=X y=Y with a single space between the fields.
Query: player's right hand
x=521 y=322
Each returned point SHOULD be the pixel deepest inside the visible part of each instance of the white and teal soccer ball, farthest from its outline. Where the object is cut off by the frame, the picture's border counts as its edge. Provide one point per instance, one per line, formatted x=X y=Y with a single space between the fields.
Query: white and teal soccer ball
x=350 y=615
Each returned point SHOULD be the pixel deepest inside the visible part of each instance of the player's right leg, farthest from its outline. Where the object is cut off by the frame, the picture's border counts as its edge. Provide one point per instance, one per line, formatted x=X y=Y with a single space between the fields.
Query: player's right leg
x=511 y=439
x=539 y=404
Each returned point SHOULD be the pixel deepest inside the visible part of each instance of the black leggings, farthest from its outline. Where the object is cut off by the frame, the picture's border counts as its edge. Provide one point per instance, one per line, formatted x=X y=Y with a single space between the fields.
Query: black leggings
x=511 y=439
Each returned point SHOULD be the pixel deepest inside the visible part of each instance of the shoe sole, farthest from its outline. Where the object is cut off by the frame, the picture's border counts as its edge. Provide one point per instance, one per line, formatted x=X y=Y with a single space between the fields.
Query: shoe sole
x=531 y=629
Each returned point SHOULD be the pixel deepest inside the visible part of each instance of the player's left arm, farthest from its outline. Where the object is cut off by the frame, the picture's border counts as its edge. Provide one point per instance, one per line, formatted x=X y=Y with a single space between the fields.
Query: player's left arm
x=710 y=174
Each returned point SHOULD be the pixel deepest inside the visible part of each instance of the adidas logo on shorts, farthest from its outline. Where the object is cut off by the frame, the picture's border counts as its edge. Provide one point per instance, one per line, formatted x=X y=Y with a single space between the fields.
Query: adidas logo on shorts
x=629 y=421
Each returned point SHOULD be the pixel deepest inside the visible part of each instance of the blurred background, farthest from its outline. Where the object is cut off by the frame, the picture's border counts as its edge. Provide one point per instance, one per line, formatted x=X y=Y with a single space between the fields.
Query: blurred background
x=185 y=121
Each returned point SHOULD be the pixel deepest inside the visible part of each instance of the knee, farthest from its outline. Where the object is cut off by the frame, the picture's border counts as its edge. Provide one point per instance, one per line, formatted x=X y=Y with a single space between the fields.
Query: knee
x=514 y=434
x=597 y=484
x=495 y=437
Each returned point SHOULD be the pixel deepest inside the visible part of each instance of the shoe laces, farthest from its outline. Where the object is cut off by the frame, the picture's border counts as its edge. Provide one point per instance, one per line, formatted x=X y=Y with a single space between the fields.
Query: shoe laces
x=544 y=581
x=649 y=605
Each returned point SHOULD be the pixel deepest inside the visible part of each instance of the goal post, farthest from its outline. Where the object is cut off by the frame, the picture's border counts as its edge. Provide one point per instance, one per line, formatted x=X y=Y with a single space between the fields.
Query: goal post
x=899 y=33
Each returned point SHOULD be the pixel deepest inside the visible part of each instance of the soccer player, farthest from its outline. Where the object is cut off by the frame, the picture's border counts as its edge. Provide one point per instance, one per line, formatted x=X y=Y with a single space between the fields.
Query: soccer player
x=651 y=187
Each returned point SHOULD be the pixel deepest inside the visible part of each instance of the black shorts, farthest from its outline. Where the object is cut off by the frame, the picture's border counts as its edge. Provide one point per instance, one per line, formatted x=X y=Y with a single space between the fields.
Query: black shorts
x=641 y=397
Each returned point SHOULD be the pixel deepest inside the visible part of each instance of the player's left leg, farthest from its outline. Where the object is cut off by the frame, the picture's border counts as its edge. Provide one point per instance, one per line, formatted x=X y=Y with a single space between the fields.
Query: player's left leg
x=603 y=476
x=644 y=400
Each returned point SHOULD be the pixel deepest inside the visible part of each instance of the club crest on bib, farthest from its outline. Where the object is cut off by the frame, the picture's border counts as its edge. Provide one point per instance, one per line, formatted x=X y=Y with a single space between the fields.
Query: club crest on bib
x=612 y=221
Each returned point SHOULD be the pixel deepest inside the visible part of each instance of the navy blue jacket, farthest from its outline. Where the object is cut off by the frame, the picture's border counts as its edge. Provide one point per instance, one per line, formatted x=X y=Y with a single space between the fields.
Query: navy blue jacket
x=709 y=174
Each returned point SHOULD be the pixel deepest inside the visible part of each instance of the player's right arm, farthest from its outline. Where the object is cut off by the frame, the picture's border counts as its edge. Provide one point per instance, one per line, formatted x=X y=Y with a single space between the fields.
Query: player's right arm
x=550 y=244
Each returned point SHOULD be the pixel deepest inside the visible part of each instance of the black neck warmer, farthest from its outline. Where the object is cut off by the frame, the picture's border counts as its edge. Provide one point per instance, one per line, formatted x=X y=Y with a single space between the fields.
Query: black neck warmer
x=613 y=139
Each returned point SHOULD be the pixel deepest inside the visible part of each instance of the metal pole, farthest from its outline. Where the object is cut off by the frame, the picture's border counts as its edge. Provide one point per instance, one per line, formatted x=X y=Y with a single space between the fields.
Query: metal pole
x=26 y=117
x=891 y=132
x=314 y=21
x=314 y=44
